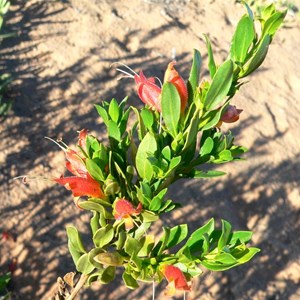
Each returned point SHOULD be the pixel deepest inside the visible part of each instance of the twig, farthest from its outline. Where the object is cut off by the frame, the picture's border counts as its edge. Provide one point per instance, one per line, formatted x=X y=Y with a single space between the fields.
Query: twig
x=78 y=286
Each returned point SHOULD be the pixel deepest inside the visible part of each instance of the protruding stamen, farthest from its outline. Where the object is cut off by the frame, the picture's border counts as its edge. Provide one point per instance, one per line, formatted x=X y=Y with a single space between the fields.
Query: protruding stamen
x=159 y=81
x=128 y=68
x=57 y=143
x=128 y=75
x=26 y=178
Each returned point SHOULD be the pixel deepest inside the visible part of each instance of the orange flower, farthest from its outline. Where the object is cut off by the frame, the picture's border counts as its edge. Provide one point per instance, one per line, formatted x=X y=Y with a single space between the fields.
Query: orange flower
x=75 y=164
x=82 y=138
x=81 y=186
x=148 y=91
x=172 y=76
x=176 y=280
x=124 y=210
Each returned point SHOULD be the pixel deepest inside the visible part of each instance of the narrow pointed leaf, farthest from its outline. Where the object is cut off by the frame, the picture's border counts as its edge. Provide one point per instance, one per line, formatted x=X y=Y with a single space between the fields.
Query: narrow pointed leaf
x=220 y=86
x=242 y=39
x=147 y=147
x=224 y=239
x=84 y=265
x=75 y=239
x=114 y=111
x=257 y=58
x=211 y=61
x=170 y=107
x=194 y=78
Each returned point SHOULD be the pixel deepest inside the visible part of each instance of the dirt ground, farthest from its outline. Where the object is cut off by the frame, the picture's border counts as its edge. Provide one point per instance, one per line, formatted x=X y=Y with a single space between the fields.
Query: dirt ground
x=61 y=64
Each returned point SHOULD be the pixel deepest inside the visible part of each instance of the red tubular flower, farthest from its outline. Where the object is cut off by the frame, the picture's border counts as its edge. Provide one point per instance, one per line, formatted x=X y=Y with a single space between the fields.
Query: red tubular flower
x=75 y=163
x=124 y=210
x=176 y=280
x=172 y=76
x=81 y=186
x=82 y=138
x=148 y=91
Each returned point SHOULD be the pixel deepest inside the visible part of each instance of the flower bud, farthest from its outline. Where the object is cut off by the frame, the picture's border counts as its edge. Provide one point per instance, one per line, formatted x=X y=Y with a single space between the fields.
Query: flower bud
x=109 y=259
x=172 y=76
x=111 y=186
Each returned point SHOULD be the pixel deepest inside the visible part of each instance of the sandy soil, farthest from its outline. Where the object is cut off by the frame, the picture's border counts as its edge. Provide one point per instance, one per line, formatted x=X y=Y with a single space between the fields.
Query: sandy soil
x=61 y=64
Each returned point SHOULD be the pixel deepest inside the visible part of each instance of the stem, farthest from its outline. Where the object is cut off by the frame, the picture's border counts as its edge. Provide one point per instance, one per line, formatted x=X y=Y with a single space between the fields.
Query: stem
x=153 y=290
x=83 y=278
x=160 y=122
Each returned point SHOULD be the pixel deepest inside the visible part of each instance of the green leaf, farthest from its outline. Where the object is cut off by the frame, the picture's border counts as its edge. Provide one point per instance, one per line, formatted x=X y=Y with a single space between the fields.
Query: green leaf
x=258 y=57
x=207 y=146
x=220 y=86
x=241 y=236
x=100 y=201
x=268 y=11
x=156 y=202
x=92 y=254
x=170 y=107
x=102 y=113
x=215 y=266
x=142 y=130
x=223 y=157
x=74 y=253
x=147 y=117
x=242 y=39
x=114 y=111
x=94 y=277
x=108 y=275
x=248 y=255
x=148 y=244
x=94 y=170
x=161 y=245
x=84 y=265
x=75 y=239
x=147 y=147
x=94 y=223
x=225 y=258
x=149 y=217
x=166 y=153
x=175 y=161
x=168 y=206
x=273 y=23
x=197 y=236
x=250 y=12
x=191 y=132
x=4 y=280
x=103 y=236
x=124 y=120
x=121 y=240
x=224 y=238
x=114 y=131
x=132 y=246
x=90 y=205
x=140 y=231
x=207 y=174
x=212 y=118
x=177 y=235
x=129 y=281
x=211 y=61
x=194 y=77
x=110 y=259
